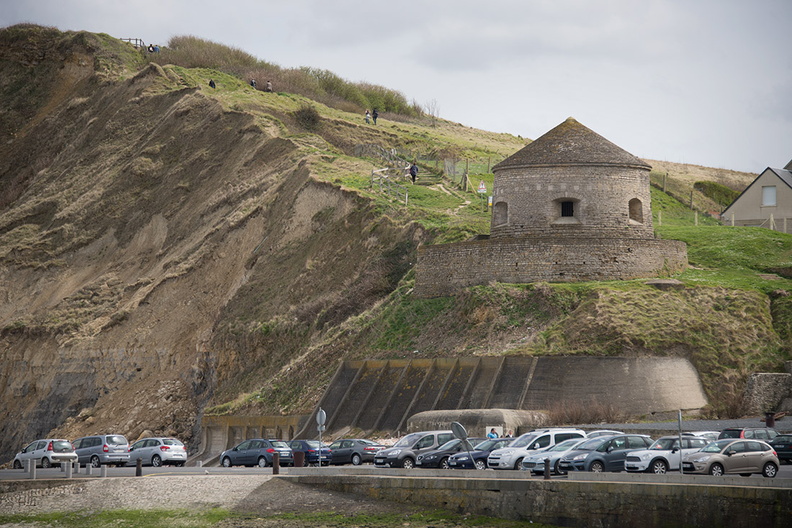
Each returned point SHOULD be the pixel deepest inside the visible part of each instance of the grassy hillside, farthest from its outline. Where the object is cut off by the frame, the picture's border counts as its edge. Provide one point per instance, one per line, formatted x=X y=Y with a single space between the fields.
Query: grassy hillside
x=169 y=249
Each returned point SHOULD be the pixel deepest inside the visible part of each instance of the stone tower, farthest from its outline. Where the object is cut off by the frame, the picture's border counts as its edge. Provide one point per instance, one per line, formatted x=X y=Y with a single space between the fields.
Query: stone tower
x=570 y=206
x=571 y=182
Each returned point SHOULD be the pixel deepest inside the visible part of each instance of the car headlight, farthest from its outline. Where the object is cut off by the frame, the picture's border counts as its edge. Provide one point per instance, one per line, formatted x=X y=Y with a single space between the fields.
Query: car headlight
x=462 y=458
x=394 y=453
x=646 y=456
x=580 y=457
x=701 y=459
x=430 y=457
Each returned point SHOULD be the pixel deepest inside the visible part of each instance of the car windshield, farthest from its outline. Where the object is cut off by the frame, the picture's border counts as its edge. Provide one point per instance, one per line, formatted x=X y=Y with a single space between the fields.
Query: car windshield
x=665 y=444
x=566 y=444
x=315 y=444
x=717 y=446
x=116 y=440
x=368 y=442
x=171 y=441
x=408 y=440
x=591 y=444
x=487 y=444
x=450 y=444
x=782 y=439
x=523 y=440
x=279 y=444
x=730 y=433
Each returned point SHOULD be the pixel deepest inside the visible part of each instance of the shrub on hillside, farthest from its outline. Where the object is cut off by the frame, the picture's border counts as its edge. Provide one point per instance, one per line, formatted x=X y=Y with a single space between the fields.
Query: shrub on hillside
x=717 y=192
x=308 y=117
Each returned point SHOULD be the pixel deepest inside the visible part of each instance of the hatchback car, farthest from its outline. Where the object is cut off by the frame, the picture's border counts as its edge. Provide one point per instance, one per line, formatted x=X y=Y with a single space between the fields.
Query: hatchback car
x=315 y=451
x=46 y=453
x=759 y=433
x=524 y=445
x=664 y=454
x=477 y=459
x=257 y=452
x=438 y=458
x=354 y=451
x=110 y=449
x=536 y=463
x=158 y=452
x=405 y=452
x=744 y=457
x=783 y=447
x=604 y=454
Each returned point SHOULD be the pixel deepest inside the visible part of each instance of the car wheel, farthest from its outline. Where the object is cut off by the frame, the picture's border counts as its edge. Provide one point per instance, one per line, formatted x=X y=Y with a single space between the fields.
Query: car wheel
x=17 y=464
x=770 y=470
x=716 y=470
x=408 y=463
x=658 y=467
x=46 y=462
x=558 y=469
x=262 y=462
x=156 y=461
x=444 y=463
x=226 y=462
x=356 y=460
x=95 y=461
x=518 y=464
x=481 y=464
x=597 y=467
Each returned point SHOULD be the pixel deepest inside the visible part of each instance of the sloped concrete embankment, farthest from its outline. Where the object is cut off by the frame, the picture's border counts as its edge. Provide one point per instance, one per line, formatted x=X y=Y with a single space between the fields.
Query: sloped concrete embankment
x=381 y=395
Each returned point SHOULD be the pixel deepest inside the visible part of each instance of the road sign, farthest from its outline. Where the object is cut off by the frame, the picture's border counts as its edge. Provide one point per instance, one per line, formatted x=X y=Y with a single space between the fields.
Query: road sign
x=459 y=430
x=321 y=417
x=482 y=188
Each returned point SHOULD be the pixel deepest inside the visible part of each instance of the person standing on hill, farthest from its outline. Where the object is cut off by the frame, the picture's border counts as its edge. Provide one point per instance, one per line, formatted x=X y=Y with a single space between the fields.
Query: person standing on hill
x=375 y=115
x=368 y=117
x=413 y=172
x=253 y=83
x=269 y=86
x=492 y=433
x=212 y=83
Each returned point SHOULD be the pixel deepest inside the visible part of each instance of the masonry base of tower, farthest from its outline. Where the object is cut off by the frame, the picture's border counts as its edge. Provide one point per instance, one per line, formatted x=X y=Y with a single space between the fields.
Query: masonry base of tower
x=446 y=268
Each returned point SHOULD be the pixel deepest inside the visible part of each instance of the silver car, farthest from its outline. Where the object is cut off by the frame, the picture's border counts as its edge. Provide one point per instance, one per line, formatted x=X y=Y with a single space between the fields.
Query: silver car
x=158 y=451
x=663 y=455
x=46 y=453
x=98 y=450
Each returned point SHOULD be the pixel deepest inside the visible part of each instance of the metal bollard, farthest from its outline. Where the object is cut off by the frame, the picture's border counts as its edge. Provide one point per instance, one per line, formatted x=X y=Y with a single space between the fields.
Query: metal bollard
x=104 y=471
x=76 y=467
x=32 y=469
x=139 y=467
x=199 y=464
x=299 y=458
x=88 y=468
x=275 y=463
x=63 y=467
x=547 y=469
x=69 y=468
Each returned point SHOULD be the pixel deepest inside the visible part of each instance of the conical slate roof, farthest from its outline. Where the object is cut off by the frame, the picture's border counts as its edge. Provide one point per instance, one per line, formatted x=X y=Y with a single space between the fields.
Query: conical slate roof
x=571 y=143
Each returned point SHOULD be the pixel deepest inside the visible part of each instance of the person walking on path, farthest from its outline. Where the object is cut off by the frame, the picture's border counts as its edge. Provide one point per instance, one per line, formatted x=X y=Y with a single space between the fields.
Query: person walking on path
x=368 y=117
x=212 y=83
x=375 y=115
x=253 y=83
x=269 y=86
x=413 y=172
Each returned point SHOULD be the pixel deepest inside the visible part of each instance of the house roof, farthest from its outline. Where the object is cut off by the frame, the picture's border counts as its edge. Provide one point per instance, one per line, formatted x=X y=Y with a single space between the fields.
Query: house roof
x=788 y=166
x=571 y=143
x=784 y=175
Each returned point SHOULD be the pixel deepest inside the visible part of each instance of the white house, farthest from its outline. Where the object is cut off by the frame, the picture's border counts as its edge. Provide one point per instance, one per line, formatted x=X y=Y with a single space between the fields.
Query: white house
x=766 y=202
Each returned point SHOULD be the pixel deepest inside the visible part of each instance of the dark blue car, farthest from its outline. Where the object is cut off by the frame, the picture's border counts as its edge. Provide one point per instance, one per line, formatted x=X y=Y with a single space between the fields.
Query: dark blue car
x=257 y=452
x=313 y=449
x=477 y=459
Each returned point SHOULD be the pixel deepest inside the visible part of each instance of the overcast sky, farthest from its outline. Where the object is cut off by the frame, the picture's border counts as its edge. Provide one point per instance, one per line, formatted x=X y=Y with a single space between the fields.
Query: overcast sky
x=707 y=82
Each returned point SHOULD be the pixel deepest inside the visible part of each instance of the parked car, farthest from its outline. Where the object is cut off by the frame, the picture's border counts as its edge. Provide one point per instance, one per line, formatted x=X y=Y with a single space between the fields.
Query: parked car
x=354 y=451
x=536 y=463
x=664 y=454
x=729 y=455
x=46 y=453
x=98 y=450
x=257 y=452
x=760 y=433
x=477 y=458
x=604 y=454
x=315 y=451
x=405 y=452
x=438 y=458
x=602 y=432
x=511 y=457
x=158 y=452
x=783 y=447
x=709 y=436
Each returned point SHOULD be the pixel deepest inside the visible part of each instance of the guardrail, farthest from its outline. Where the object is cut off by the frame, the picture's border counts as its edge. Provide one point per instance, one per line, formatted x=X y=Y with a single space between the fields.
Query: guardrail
x=383 y=178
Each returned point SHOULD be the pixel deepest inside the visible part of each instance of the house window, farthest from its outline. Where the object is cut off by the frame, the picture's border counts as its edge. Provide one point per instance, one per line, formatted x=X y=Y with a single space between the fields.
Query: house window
x=500 y=213
x=636 y=211
x=568 y=208
x=566 y=211
x=769 y=196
